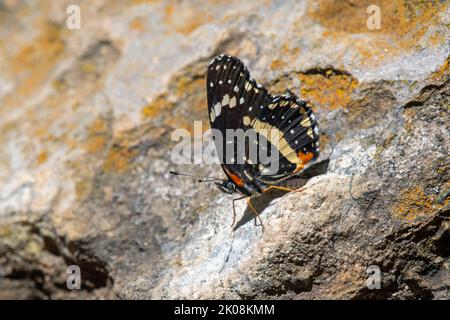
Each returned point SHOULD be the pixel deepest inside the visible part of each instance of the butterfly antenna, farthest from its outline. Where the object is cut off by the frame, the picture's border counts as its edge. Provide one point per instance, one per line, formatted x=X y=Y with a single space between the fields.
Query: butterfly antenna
x=200 y=178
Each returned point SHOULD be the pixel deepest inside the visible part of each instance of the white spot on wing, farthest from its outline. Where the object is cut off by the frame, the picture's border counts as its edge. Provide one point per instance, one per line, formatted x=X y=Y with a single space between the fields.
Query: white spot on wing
x=232 y=102
x=225 y=100
x=217 y=109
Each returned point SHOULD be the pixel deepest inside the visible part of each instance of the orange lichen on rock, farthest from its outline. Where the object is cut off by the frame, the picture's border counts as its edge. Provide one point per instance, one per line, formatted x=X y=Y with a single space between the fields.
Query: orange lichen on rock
x=413 y=203
x=443 y=69
x=95 y=144
x=155 y=107
x=184 y=18
x=98 y=126
x=187 y=85
x=330 y=91
x=398 y=17
x=42 y=157
x=137 y=24
x=277 y=64
x=118 y=159
x=97 y=138
x=188 y=91
x=404 y=24
x=33 y=63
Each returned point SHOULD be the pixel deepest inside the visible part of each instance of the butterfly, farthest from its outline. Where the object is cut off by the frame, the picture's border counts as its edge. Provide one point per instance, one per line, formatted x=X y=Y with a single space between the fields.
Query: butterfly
x=261 y=139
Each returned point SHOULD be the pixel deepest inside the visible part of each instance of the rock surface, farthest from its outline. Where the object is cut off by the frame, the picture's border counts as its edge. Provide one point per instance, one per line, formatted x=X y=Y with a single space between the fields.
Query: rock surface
x=86 y=118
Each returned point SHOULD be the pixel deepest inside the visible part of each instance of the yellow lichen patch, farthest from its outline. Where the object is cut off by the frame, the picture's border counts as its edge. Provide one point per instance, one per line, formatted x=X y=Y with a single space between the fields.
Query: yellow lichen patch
x=33 y=63
x=443 y=69
x=42 y=157
x=406 y=23
x=347 y=281
x=137 y=24
x=82 y=188
x=155 y=107
x=22 y=240
x=187 y=85
x=184 y=18
x=99 y=126
x=189 y=91
x=398 y=17
x=277 y=64
x=291 y=50
x=118 y=159
x=97 y=136
x=330 y=91
x=95 y=144
x=88 y=67
x=192 y=90
x=144 y=1
x=181 y=123
x=413 y=203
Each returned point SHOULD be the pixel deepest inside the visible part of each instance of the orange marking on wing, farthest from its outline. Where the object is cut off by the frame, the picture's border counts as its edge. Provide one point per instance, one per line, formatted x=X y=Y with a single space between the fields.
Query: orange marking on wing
x=238 y=181
x=235 y=178
x=304 y=159
x=299 y=167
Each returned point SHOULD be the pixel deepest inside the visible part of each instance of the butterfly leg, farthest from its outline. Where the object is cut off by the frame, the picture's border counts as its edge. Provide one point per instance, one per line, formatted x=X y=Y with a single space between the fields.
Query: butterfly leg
x=234 y=209
x=278 y=188
x=284 y=189
x=299 y=189
x=249 y=203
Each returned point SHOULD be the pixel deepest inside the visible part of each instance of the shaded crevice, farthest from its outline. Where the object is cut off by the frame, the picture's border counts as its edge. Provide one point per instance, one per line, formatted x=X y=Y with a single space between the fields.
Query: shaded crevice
x=49 y=278
x=426 y=93
x=326 y=72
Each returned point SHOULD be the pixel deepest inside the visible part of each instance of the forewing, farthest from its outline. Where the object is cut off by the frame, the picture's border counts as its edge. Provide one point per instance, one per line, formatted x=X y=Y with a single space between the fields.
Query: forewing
x=234 y=98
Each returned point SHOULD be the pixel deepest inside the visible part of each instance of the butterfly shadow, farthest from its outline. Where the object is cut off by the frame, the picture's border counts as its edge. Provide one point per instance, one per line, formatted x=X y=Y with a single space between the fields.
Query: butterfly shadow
x=264 y=200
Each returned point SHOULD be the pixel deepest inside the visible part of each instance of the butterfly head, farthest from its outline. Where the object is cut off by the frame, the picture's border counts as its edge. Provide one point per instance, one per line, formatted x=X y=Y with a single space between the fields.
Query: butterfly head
x=227 y=186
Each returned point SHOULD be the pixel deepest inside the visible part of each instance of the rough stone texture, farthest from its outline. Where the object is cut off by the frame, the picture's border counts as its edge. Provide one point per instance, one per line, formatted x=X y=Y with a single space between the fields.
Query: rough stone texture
x=86 y=118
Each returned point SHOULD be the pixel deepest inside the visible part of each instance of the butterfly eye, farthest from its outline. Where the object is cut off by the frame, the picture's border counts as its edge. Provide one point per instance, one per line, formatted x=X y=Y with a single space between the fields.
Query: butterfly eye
x=231 y=186
x=227 y=187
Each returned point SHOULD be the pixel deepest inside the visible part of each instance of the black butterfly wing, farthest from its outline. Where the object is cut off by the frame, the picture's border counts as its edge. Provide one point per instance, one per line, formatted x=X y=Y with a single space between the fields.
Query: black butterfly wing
x=283 y=133
x=296 y=139
x=234 y=98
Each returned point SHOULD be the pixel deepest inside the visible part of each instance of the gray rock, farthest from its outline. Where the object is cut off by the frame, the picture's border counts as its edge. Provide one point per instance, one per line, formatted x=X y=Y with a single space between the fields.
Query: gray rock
x=86 y=118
